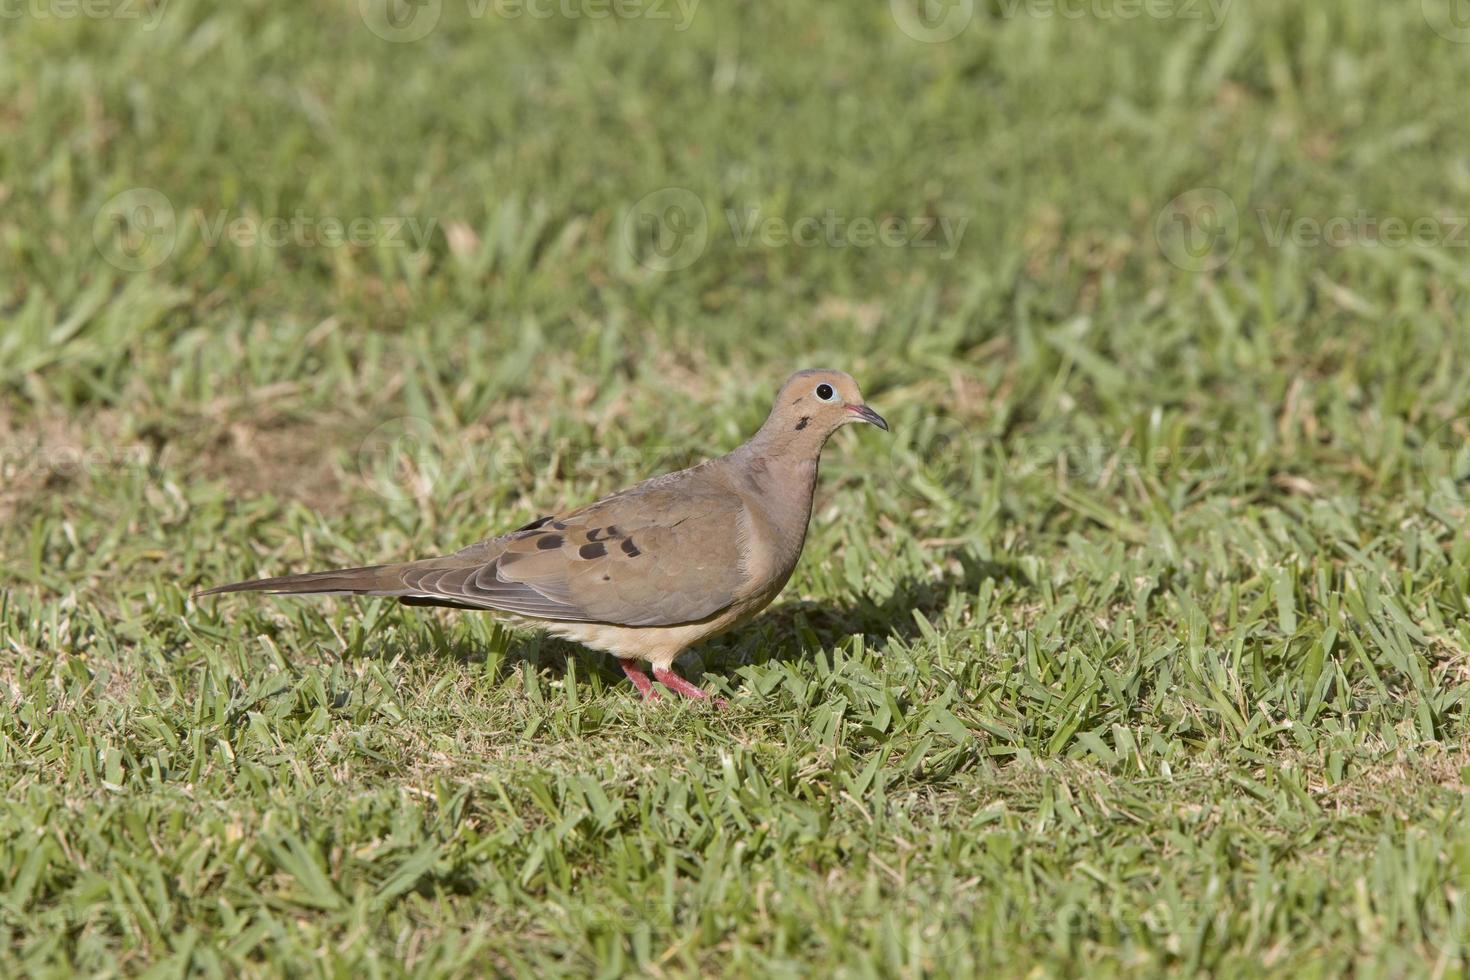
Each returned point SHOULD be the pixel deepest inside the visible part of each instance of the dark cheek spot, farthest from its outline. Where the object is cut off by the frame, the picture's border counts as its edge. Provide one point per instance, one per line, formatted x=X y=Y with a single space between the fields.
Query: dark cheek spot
x=802 y=424
x=630 y=549
x=592 y=550
x=549 y=541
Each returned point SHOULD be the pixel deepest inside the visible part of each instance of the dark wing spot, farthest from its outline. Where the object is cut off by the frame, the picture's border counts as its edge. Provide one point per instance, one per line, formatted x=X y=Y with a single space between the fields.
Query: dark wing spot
x=539 y=522
x=418 y=600
x=594 y=533
x=596 y=550
x=613 y=532
x=630 y=549
x=802 y=424
x=548 y=541
x=559 y=525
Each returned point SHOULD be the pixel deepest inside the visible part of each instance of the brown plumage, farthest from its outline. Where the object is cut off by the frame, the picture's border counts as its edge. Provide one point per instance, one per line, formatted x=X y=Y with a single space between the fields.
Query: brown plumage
x=646 y=572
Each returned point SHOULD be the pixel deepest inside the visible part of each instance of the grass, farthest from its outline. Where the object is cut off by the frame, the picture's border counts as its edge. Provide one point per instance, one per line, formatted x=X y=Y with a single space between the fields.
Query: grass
x=1142 y=645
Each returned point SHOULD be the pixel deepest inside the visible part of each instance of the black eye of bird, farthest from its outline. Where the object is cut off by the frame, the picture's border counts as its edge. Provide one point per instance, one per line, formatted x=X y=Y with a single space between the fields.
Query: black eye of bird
x=825 y=392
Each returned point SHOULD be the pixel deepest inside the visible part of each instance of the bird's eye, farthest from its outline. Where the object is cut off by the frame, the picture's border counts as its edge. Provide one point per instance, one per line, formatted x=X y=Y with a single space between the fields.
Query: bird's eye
x=825 y=392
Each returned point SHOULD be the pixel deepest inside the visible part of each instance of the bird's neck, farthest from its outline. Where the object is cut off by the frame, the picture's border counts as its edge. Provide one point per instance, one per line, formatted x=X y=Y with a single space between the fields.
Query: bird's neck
x=781 y=461
x=778 y=467
x=780 y=440
x=778 y=491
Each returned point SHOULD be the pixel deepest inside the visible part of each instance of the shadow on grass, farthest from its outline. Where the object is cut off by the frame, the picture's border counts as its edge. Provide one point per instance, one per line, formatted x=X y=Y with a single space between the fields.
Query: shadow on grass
x=786 y=632
x=796 y=630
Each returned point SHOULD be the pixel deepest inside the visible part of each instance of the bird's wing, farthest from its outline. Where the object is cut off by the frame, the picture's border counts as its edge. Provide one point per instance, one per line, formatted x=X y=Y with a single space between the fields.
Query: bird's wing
x=661 y=553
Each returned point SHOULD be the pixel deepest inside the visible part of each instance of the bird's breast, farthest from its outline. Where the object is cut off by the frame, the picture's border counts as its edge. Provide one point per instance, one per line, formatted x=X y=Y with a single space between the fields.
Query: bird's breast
x=772 y=533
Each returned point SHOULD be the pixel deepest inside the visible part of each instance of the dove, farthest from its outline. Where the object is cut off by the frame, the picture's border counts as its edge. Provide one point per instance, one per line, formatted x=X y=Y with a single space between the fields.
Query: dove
x=645 y=573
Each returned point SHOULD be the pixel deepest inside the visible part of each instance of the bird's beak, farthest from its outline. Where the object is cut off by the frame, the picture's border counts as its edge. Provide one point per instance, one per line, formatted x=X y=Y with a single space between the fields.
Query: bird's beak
x=866 y=414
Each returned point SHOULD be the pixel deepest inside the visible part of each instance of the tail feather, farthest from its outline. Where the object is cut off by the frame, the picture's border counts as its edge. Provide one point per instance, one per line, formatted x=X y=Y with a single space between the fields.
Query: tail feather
x=385 y=580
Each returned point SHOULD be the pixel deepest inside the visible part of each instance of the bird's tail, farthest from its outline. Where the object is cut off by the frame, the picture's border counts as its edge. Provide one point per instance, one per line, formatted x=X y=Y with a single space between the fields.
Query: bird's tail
x=385 y=580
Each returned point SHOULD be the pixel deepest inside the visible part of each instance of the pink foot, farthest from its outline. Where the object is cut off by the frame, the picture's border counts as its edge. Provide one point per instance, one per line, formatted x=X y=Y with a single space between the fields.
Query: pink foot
x=673 y=681
x=639 y=678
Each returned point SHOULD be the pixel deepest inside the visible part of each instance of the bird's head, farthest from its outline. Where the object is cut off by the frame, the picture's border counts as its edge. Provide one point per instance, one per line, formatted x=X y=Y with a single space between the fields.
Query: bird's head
x=817 y=403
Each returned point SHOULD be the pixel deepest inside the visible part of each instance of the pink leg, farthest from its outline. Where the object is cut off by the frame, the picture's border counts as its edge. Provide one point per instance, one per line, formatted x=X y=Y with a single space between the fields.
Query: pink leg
x=673 y=681
x=639 y=678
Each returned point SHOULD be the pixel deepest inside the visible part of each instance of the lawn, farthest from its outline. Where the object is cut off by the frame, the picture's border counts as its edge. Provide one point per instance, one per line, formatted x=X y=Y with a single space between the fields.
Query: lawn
x=1140 y=646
